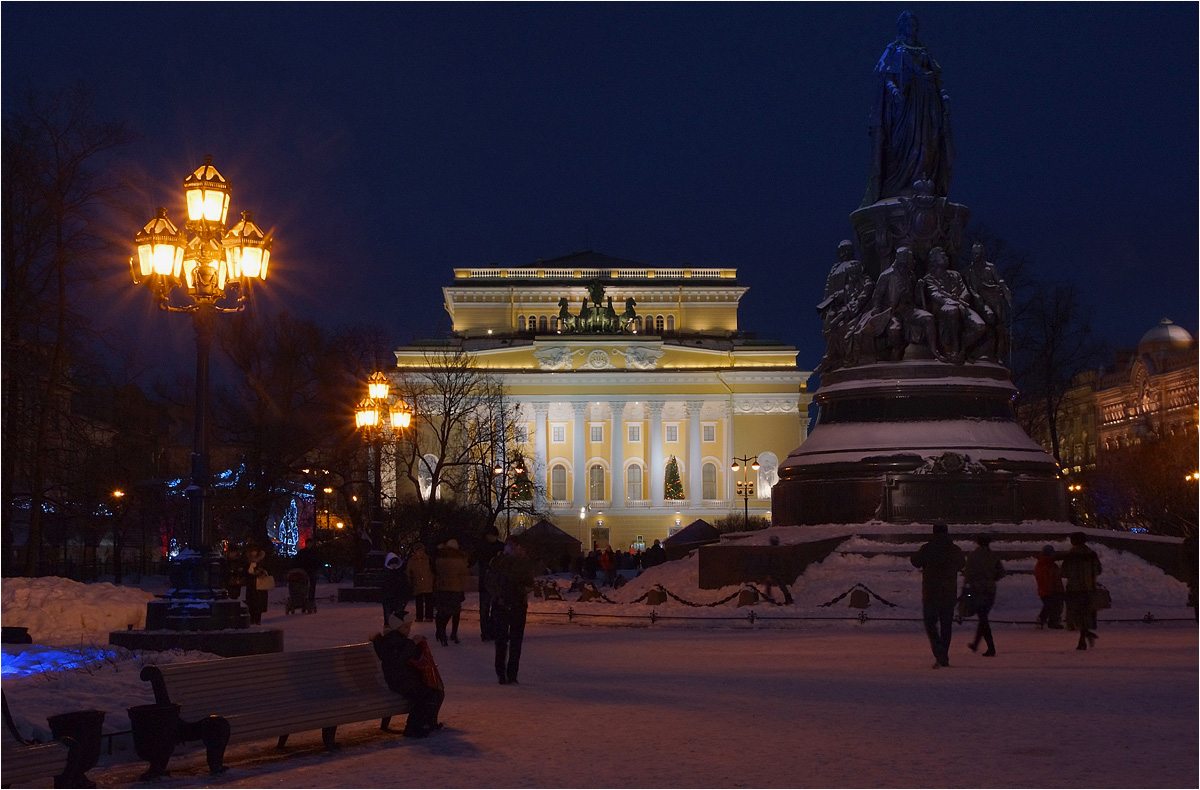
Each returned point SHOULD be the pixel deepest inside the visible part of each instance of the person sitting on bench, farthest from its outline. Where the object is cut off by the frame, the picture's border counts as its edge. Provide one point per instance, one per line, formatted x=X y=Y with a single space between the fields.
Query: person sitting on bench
x=409 y=670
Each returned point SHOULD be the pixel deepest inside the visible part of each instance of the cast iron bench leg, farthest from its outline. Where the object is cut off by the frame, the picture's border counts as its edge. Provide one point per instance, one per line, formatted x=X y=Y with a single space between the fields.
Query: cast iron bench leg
x=384 y=722
x=327 y=734
x=282 y=742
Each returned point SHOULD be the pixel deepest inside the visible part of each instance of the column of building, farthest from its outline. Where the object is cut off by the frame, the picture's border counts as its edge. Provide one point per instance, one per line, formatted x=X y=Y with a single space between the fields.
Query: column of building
x=656 y=452
x=580 y=453
x=695 y=479
x=541 y=475
x=617 y=457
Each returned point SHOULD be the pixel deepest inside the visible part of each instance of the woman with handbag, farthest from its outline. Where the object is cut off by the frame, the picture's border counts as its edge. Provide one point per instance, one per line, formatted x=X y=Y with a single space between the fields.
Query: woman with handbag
x=259 y=582
x=982 y=571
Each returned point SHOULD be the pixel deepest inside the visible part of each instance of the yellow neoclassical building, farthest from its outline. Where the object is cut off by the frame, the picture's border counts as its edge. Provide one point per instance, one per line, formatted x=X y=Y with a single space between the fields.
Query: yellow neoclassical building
x=618 y=367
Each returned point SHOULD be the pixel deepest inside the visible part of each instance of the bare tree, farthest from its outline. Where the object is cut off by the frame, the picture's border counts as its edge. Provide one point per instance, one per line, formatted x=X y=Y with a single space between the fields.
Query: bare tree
x=1054 y=343
x=53 y=196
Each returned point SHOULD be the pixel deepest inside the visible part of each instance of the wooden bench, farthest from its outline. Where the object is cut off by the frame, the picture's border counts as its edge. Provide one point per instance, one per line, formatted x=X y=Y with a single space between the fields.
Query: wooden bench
x=277 y=694
x=23 y=762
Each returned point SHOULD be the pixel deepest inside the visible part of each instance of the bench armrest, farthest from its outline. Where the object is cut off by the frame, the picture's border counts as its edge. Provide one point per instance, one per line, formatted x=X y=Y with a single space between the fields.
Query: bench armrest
x=153 y=674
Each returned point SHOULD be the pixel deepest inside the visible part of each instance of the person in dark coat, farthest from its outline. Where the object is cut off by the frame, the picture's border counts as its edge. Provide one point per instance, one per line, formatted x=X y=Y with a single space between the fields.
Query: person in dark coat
x=258 y=583
x=1049 y=588
x=510 y=578
x=980 y=574
x=655 y=555
x=394 y=587
x=309 y=560
x=410 y=671
x=940 y=561
x=1080 y=567
x=449 y=589
x=490 y=549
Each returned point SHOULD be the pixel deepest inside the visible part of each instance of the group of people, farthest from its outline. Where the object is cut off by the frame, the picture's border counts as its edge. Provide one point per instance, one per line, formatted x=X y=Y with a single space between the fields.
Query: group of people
x=506 y=577
x=604 y=566
x=941 y=561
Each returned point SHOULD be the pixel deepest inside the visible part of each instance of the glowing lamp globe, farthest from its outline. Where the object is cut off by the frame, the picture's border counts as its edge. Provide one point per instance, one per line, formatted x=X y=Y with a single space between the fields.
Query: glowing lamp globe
x=160 y=248
x=207 y=194
x=249 y=249
x=377 y=386
x=366 y=415
x=401 y=416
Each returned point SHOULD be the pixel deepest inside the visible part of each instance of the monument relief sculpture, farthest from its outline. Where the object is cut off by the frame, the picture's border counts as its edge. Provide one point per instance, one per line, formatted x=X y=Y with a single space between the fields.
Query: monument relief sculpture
x=641 y=357
x=910 y=120
x=555 y=357
x=992 y=300
x=944 y=294
x=848 y=291
x=595 y=316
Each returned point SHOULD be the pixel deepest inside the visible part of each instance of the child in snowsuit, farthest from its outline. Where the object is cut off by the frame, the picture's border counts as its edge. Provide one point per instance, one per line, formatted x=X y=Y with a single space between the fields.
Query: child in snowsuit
x=410 y=671
x=394 y=589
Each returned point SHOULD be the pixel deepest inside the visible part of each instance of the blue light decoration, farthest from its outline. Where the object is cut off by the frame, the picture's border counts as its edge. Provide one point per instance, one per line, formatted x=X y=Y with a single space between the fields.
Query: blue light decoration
x=41 y=660
x=288 y=532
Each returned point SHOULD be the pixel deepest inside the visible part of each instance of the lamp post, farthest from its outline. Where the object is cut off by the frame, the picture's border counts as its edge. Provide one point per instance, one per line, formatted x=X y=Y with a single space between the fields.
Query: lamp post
x=369 y=419
x=501 y=471
x=745 y=486
x=202 y=270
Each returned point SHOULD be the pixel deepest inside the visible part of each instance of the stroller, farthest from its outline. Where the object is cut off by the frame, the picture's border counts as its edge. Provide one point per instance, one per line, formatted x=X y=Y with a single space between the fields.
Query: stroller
x=297 y=582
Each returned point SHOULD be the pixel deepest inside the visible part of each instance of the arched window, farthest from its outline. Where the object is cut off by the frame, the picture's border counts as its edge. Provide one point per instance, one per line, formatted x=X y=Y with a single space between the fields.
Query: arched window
x=553 y=323
x=633 y=482
x=768 y=474
x=670 y=323
x=638 y=322
x=520 y=323
x=558 y=483
x=658 y=324
x=596 y=483
x=709 y=480
x=542 y=324
x=425 y=476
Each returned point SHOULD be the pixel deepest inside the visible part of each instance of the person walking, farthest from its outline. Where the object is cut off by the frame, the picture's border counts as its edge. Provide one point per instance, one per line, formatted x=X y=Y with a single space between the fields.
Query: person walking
x=420 y=581
x=410 y=671
x=1049 y=588
x=980 y=574
x=395 y=592
x=940 y=561
x=1080 y=567
x=490 y=549
x=449 y=589
x=509 y=579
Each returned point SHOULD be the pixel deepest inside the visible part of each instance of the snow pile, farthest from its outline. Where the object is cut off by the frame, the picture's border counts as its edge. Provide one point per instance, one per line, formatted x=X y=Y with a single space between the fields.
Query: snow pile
x=63 y=612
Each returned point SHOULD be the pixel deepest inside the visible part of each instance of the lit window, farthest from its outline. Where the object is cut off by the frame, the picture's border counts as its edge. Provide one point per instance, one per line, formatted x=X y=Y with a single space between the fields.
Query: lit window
x=658 y=324
x=670 y=323
x=672 y=433
x=520 y=323
x=709 y=479
x=558 y=434
x=542 y=324
x=597 y=433
x=596 y=483
x=558 y=483
x=633 y=482
x=710 y=433
x=634 y=433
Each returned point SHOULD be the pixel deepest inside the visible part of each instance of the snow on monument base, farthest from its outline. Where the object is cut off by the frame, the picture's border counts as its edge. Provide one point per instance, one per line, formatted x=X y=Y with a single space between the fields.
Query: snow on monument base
x=918 y=441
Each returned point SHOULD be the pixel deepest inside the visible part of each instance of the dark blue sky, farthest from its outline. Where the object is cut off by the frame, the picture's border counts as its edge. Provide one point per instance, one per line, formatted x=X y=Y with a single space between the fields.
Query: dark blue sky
x=387 y=143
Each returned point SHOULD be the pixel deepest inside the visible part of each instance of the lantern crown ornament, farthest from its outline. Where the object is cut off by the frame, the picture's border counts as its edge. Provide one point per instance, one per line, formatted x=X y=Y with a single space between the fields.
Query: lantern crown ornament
x=215 y=268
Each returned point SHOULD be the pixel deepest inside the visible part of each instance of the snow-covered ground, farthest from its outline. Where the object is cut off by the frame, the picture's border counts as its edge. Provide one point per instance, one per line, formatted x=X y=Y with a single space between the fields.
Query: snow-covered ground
x=803 y=696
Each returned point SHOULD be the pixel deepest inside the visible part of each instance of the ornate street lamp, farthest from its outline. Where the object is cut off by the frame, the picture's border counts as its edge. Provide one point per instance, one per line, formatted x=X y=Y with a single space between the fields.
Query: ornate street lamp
x=745 y=486
x=502 y=471
x=207 y=272
x=368 y=418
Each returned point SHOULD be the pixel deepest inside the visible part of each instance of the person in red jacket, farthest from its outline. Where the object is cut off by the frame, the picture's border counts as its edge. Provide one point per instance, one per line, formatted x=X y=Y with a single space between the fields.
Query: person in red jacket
x=608 y=564
x=1049 y=589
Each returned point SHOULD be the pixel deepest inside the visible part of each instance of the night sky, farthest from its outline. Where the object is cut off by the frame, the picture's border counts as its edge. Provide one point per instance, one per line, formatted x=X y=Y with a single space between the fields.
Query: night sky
x=387 y=143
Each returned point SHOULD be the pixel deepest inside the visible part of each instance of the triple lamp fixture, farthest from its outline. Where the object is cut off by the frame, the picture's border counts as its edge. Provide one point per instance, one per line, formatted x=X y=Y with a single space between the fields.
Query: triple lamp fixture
x=367 y=414
x=213 y=259
x=744 y=487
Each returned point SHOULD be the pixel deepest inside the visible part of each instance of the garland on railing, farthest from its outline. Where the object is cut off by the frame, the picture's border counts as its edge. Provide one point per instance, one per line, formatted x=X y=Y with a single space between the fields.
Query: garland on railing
x=855 y=587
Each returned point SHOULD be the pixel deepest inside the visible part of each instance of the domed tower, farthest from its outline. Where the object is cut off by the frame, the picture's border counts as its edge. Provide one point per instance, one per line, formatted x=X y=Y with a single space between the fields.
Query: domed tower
x=1166 y=336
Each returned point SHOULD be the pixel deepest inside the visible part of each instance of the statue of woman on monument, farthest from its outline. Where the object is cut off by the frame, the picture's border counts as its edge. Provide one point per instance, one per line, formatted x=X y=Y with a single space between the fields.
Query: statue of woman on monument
x=910 y=121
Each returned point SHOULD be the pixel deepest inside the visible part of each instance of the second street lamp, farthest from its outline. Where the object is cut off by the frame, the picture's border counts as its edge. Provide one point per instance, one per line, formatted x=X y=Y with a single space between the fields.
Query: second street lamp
x=745 y=486
x=369 y=419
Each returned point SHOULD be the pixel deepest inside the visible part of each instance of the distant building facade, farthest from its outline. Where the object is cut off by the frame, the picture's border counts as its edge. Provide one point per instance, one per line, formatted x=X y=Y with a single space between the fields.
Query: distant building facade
x=618 y=368
x=1148 y=391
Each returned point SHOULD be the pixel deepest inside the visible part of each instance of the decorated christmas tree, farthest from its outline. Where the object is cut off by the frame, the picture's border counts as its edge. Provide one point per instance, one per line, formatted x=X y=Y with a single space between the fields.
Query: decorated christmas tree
x=672 y=485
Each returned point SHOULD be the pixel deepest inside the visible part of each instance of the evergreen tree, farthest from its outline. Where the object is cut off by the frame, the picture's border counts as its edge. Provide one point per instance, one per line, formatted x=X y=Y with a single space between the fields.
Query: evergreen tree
x=672 y=485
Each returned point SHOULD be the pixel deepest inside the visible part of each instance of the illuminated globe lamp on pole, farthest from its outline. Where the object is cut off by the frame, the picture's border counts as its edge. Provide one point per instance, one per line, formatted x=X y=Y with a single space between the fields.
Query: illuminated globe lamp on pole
x=368 y=419
x=508 y=491
x=745 y=486
x=207 y=272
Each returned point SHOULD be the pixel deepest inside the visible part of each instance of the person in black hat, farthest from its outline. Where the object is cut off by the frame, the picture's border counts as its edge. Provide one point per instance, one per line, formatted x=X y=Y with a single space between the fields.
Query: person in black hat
x=940 y=561
x=982 y=571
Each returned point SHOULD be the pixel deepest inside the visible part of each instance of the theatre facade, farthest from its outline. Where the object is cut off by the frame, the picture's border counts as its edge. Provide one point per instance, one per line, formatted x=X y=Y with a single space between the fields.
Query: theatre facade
x=623 y=374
